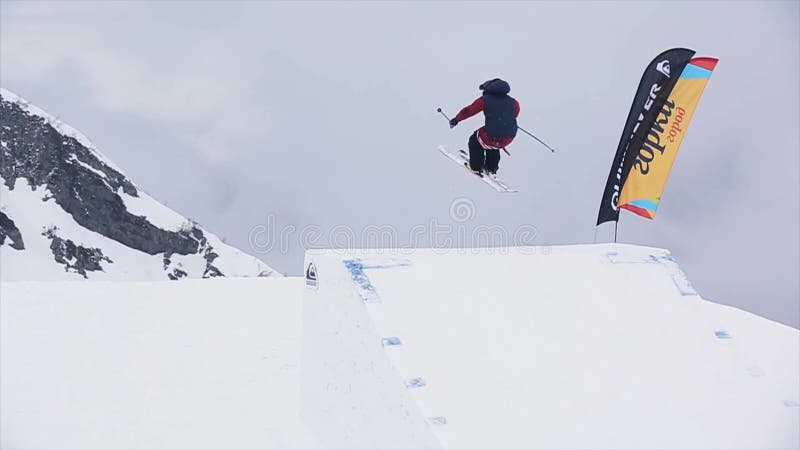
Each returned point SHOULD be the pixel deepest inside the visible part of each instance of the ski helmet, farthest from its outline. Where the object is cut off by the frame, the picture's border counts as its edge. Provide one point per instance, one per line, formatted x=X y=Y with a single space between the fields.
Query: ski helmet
x=495 y=86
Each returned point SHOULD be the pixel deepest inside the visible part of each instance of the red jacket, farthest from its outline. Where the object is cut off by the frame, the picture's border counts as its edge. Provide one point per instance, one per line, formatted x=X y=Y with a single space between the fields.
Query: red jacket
x=486 y=141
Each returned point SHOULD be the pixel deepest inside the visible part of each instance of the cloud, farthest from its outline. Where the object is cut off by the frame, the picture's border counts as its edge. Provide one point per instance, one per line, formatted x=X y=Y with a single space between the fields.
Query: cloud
x=189 y=86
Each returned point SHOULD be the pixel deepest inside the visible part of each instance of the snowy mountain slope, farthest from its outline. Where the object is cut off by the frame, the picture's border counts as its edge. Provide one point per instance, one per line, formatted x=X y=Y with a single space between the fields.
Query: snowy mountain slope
x=67 y=212
x=597 y=346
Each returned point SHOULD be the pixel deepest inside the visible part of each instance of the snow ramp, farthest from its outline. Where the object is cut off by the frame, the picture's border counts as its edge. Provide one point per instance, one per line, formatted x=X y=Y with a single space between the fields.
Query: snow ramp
x=592 y=346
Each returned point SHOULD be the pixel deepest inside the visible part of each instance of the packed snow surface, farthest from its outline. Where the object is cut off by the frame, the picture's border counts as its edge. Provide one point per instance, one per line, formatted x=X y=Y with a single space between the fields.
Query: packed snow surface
x=171 y=364
x=600 y=346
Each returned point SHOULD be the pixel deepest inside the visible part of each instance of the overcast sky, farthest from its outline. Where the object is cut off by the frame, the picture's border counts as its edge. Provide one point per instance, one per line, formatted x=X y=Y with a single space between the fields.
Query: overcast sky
x=323 y=113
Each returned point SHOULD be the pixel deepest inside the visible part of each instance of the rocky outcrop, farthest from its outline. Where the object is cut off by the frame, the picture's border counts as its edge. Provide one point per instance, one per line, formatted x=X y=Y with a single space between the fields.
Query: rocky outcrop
x=73 y=257
x=9 y=230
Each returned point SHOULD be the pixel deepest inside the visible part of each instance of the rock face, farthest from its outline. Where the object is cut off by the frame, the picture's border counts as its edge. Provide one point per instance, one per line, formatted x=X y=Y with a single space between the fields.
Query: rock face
x=9 y=230
x=75 y=257
x=70 y=195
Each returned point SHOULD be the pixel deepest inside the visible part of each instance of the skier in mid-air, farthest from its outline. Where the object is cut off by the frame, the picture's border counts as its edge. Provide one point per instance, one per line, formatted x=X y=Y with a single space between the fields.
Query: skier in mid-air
x=500 y=128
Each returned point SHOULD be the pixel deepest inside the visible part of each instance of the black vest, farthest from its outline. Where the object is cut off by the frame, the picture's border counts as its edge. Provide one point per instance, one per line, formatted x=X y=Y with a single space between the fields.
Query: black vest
x=500 y=112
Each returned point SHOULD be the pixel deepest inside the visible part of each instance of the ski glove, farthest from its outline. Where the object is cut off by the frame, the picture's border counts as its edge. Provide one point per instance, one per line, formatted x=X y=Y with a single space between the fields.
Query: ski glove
x=453 y=122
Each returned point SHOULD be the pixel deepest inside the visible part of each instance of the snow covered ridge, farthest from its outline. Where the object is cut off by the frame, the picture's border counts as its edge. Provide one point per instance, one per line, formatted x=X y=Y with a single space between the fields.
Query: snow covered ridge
x=67 y=212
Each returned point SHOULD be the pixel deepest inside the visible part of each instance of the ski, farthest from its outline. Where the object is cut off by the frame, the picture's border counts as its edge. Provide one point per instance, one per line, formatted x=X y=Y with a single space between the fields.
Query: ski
x=492 y=178
x=461 y=159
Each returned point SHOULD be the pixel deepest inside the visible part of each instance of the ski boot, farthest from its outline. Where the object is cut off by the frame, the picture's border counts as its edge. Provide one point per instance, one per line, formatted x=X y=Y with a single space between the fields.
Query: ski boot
x=476 y=172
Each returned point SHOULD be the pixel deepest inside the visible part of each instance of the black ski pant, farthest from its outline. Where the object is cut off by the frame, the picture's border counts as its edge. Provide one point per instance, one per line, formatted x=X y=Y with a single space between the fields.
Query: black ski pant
x=480 y=158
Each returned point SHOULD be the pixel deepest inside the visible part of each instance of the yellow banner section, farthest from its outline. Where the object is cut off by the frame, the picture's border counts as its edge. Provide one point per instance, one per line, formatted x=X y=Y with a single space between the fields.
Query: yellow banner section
x=648 y=176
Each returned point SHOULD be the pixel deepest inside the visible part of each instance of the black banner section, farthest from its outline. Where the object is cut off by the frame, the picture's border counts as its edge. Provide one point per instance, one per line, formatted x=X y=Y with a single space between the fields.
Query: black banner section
x=657 y=82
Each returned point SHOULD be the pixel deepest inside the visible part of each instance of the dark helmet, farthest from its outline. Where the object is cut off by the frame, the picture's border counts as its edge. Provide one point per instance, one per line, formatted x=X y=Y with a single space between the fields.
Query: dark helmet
x=495 y=86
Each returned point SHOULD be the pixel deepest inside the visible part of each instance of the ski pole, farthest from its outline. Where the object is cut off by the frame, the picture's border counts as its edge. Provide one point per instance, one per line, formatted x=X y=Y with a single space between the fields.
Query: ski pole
x=439 y=110
x=540 y=141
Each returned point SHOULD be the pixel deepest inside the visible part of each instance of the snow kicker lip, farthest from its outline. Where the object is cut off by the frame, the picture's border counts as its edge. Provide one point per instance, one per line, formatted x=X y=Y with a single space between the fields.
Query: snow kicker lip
x=357 y=266
x=353 y=396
